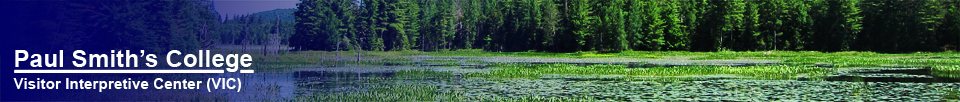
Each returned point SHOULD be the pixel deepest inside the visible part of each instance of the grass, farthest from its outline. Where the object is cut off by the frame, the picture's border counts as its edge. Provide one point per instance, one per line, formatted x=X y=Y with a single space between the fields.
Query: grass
x=947 y=71
x=854 y=61
x=714 y=57
x=394 y=92
x=760 y=72
x=412 y=92
x=422 y=74
x=951 y=95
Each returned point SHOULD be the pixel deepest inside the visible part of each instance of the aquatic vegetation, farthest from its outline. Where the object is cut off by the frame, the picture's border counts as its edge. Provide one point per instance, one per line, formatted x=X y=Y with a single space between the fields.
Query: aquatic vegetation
x=421 y=74
x=391 y=92
x=760 y=72
x=396 y=60
x=596 y=55
x=450 y=62
x=951 y=94
x=854 y=61
x=714 y=57
x=947 y=71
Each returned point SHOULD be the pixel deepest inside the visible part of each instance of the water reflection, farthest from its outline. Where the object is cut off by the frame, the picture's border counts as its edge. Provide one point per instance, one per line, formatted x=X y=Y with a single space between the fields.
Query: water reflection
x=290 y=83
x=270 y=86
x=312 y=82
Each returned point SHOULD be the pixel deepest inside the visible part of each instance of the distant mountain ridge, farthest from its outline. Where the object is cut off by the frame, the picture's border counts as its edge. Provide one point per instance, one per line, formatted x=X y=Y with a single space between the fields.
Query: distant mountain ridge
x=285 y=14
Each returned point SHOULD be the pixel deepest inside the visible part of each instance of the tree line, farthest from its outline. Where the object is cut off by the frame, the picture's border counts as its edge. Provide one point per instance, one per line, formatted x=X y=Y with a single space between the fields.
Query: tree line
x=501 y=25
x=621 y=25
x=272 y=27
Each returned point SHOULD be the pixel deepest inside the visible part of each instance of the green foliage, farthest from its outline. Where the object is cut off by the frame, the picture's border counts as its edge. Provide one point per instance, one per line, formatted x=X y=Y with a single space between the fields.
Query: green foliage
x=609 y=34
x=951 y=94
x=387 y=92
x=257 y=28
x=947 y=71
x=713 y=57
x=623 y=25
x=536 y=71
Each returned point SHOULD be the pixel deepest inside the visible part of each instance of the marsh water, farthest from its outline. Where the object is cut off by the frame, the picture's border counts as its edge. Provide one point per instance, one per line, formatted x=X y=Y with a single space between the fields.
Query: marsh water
x=287 y=84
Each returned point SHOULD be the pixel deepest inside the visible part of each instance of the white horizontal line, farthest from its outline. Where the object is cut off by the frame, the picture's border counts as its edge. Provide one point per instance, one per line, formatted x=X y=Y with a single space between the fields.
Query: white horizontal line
x=246 y=71
x=119 y=71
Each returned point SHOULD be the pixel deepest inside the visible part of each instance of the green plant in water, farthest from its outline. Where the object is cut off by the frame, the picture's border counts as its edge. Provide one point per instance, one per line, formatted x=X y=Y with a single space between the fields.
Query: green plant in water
x=761 y=72
x=947 y=71
x=596 y=55
x=652 y=56
x=394 y=92
x=714 y=57
x=951 y=94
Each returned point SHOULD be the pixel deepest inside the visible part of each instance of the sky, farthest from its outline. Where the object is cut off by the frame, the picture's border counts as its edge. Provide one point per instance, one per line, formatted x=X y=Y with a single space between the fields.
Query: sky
x=228 y=8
